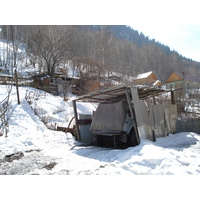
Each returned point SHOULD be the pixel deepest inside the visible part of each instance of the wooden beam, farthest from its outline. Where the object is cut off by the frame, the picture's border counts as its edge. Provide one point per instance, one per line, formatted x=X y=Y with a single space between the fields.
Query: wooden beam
x=98 y=94
x=154 y=98
x=76 y=119
x=173 y=97
x=17 y=86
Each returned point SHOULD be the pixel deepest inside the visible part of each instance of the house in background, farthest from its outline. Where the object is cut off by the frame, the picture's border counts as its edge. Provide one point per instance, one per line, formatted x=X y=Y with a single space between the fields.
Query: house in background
x=178 y=80
x=148 y=78
x=57 y=83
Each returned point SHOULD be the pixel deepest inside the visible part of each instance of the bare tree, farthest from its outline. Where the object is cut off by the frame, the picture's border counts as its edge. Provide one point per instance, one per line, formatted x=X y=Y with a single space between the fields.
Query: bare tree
x=53 y=44
x=15 y=44
x=5 y=111
x=103 y=42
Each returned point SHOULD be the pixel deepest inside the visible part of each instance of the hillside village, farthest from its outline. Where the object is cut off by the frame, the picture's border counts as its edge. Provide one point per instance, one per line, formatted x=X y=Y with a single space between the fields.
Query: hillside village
x=58 y=96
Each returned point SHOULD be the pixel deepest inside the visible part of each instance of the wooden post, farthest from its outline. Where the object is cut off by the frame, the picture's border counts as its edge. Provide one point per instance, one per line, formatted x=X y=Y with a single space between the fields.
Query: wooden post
x=172 y=97
x=154 y=120
x=132 y=115
x=17 y=87
x=76 y=119
x=154 y=99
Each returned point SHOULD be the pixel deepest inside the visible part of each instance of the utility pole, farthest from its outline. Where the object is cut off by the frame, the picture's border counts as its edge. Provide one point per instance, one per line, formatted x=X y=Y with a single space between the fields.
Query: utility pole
x=17 y=88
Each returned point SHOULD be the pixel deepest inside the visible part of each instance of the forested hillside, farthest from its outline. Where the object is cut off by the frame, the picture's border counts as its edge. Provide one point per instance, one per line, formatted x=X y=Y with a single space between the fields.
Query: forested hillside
x=92 y=49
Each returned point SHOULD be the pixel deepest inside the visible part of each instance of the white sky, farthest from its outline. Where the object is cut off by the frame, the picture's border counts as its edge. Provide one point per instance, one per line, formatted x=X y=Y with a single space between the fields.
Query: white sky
x=185 y=39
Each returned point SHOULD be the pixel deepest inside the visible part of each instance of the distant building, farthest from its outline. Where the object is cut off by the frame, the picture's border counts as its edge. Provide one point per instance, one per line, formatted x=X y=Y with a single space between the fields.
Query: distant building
x=57 y=83
x=148 y=78
x=178 y=80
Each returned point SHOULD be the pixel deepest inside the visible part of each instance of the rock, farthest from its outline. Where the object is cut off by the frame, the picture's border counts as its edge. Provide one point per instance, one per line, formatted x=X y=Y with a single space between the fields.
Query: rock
x=14 y=156
x=50 y=166
x=31 y=150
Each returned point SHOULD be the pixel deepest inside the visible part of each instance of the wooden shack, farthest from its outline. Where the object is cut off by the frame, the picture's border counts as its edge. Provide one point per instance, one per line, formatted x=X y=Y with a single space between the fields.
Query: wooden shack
x=148 y=78
x=41 y=80
x=149 y=120
x=57 y=83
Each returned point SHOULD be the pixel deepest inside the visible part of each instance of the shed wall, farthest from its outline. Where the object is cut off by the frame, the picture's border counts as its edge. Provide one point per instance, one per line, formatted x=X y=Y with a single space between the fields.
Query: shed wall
x=153 y=120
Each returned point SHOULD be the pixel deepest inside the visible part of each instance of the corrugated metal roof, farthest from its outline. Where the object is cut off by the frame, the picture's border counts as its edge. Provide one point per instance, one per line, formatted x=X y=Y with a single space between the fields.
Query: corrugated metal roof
x=119 y=92
x=188 y=77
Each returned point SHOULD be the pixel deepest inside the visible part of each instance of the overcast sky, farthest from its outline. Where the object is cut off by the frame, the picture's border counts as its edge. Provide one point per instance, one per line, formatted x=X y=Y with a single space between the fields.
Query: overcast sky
x=185 y=39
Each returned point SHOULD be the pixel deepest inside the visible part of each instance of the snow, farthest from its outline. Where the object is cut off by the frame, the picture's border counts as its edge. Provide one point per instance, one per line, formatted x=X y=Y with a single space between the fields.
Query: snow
x=143 y=75
x=156 y=82
x=177 y=154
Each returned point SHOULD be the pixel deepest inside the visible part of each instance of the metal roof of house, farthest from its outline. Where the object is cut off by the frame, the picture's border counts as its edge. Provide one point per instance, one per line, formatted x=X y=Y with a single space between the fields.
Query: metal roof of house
x=119 y=92
x=188 y=77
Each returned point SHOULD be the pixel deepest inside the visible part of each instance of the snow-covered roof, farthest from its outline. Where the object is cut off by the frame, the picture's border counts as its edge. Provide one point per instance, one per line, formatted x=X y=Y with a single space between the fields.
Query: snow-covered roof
x=144 y=75
x=156 y=82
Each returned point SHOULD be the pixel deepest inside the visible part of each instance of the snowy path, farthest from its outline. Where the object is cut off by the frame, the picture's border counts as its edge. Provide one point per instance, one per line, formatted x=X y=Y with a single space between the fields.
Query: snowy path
x=147 y=158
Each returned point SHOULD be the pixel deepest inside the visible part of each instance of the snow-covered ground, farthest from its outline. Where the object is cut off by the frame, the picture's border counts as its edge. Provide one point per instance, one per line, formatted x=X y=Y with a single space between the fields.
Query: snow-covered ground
x=47 y=152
